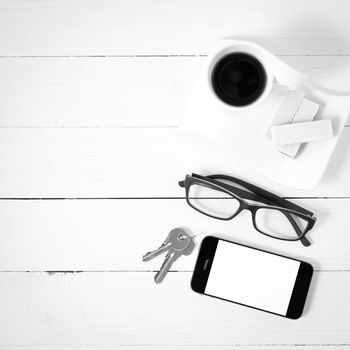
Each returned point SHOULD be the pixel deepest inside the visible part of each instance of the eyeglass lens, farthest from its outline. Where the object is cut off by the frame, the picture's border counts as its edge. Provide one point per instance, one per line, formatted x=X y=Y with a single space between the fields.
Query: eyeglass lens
x=279 y=223
x=212 y=201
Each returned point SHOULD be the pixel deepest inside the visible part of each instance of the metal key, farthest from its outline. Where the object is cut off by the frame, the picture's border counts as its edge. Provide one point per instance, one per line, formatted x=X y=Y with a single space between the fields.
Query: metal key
x=173 y=255
x=178 y=242
x=175 y=238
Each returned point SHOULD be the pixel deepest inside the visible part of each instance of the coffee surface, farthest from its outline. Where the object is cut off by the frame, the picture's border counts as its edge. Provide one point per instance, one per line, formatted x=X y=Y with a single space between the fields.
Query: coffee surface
x=239 y=79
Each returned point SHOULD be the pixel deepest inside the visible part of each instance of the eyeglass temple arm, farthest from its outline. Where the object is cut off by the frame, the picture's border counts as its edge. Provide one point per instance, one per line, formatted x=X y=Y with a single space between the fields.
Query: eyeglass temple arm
x=241 y=193
x=247 y=195
x=268 y=195
x=305 y=242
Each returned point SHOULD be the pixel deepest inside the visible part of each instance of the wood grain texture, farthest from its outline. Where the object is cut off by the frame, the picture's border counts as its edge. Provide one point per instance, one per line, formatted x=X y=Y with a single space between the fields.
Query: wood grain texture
x=113 y=235
x=120 y=91
x=129 y=309
x=91 y=94
x=137 y=162
x=139 y=27
x=184 y=347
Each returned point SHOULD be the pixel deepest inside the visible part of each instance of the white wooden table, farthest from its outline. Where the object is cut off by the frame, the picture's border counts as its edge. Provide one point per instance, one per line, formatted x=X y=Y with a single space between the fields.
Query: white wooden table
x=91 y=94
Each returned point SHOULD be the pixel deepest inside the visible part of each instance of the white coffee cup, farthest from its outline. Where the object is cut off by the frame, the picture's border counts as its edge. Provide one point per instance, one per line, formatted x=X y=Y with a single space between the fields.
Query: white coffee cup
x=228 y=47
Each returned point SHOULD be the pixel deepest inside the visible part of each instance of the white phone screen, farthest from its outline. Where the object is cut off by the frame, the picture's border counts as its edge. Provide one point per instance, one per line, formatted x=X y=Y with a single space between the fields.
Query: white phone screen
x=252 y=277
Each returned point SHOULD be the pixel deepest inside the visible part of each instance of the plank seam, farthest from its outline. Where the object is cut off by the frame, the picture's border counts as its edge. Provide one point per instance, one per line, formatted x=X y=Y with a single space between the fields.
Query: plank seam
x=97 y=127
x=156 y=56
x=141 y=198
x=157 y=345
x=53 y=272
x=90 y=127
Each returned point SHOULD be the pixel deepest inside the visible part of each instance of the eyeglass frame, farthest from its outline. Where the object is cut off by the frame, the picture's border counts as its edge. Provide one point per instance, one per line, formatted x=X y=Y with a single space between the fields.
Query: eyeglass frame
x=257 y=194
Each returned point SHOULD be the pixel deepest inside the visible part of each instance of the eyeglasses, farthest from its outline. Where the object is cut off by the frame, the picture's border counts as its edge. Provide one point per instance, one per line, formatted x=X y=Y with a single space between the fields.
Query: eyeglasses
x=224 y=197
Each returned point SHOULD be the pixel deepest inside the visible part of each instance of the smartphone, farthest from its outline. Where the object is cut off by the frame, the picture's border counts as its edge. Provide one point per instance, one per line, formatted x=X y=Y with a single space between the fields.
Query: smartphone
x=251 y=277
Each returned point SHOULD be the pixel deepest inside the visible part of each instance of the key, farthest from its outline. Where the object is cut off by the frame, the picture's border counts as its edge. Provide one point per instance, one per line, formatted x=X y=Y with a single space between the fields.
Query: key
x=177 y=243
x=183 y=245
x=171 y=240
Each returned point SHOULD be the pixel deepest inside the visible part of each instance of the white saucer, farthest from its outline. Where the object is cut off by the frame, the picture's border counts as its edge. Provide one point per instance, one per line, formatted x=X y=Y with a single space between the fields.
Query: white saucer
x=244 y=132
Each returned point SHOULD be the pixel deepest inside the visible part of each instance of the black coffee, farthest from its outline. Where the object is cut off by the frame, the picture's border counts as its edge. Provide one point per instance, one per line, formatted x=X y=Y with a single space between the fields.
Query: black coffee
x=238 y=79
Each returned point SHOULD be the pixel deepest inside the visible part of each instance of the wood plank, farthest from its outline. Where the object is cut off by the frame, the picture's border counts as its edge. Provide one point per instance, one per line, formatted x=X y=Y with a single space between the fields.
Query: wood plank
x=120 y=91
x=124 y=162
x=108 y=27
x=113 y=235
x=129 y=309
x=185 y=347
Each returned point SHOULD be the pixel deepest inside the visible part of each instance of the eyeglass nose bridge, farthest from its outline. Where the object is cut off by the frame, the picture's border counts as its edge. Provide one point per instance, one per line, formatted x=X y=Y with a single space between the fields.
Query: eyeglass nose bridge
x=246 y=206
